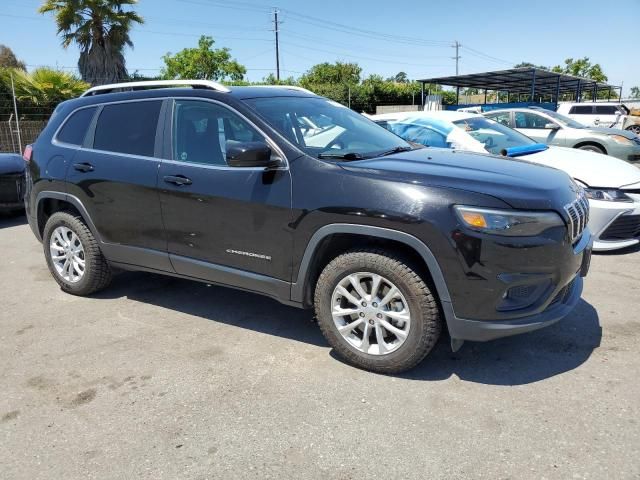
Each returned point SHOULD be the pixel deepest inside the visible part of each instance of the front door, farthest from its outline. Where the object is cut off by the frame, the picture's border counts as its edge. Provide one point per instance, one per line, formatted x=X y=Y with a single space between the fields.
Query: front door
x=538 y=128
x=223 y=224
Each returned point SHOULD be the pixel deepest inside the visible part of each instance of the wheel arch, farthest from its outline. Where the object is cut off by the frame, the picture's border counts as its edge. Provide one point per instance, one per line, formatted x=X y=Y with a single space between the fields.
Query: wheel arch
x=49 y=202
x=592 y=143
x=316 y=256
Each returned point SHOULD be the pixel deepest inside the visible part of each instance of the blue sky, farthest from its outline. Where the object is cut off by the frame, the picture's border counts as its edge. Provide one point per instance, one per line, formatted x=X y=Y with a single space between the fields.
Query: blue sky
x=412 y=36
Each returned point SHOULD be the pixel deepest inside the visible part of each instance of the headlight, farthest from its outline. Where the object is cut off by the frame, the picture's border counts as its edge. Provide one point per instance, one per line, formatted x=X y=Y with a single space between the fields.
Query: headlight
x=620 y=139
x=607 y=195
x=514 y=223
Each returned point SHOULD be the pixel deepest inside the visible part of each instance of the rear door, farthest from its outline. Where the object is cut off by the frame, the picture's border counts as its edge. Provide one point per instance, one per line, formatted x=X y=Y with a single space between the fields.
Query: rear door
x=606 y=115
x=583 y=114
x=224 y=224
x=115 y=176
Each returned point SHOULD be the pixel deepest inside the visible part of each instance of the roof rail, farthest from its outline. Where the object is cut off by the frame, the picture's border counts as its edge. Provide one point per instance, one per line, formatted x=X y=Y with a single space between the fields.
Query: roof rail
x=289 y=87
x=156 y=83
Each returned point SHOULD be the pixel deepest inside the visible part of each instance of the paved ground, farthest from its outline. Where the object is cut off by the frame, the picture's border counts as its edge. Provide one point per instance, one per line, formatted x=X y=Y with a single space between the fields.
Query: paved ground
x=161 y=378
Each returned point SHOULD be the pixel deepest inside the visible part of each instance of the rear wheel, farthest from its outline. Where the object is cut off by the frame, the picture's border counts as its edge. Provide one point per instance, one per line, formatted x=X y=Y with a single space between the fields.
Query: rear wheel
x=634 y=129
x=376 y=312
x=592 y=148
x=73 y=256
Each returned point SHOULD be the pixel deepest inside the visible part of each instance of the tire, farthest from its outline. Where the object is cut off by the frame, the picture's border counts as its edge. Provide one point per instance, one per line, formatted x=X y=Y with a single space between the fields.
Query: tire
x=421 y=331
x=634 y=129
x=96 y=274
x=592 y=148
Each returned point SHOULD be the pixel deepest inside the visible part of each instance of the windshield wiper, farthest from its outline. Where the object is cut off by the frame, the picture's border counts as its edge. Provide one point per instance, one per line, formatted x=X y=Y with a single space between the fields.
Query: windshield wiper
x=394 y=150
x=342 y=156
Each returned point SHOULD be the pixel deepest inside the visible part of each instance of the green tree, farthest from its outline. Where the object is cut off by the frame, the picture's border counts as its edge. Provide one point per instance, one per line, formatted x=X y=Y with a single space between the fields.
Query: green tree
x=581 y=67
x=203 y=63
x=400 y=77
x=8 y=59
x=634 y=92
x=530 y=65
x=101 y=29
x=332 y=73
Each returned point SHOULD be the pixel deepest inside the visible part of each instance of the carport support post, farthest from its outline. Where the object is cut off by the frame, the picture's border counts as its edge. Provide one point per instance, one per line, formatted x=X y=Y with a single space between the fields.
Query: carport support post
x=578 y=91
x=558 y=91
x=457 y=95
x=595 y=92
x=533 y=86
x=485 y=96
x=422 y=94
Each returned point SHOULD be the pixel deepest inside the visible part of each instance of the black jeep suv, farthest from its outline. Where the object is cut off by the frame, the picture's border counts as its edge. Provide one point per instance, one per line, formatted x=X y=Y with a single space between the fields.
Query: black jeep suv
x=281 y=192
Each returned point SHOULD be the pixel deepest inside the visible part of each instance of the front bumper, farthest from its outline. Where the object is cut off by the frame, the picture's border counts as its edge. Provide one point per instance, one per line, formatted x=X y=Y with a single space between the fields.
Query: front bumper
x=557 y=302
x=603 y=216
x=628 y=153
x=482 y=331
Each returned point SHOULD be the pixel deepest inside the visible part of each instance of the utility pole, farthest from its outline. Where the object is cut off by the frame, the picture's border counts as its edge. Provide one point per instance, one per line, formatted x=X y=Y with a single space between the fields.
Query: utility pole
x=457 y=57
x=276 y=24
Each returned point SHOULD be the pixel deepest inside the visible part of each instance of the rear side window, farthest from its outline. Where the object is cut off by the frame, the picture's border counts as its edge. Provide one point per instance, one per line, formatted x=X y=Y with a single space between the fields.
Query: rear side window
x=128 y=128
x=606 y=110
x=75 y=128
x=581 y=110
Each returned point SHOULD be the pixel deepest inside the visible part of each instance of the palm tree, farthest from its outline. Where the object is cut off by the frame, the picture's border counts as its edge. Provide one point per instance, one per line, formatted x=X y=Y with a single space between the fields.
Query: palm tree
x=101 y=29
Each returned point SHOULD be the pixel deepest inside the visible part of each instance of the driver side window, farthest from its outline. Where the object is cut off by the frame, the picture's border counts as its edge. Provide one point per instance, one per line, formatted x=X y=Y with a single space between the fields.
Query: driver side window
x=530 y=120
x=202 y=131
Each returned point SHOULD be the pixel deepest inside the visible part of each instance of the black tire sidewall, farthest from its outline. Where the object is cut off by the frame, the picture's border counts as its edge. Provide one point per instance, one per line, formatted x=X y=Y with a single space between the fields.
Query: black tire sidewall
x=74 y=224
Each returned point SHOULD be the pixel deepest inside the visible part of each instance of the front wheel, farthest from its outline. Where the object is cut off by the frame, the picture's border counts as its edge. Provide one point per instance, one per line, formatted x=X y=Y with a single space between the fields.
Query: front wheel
x=73 y=255
x=376 y=311
x=592 y=148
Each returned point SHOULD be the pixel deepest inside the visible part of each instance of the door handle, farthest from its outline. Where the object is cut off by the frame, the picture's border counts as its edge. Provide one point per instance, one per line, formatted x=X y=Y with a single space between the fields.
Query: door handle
x=178 y=180
x=83 y=167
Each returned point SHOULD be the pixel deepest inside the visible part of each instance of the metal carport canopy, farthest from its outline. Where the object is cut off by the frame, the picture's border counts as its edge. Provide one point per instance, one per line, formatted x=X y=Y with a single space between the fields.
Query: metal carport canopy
x=522 y=80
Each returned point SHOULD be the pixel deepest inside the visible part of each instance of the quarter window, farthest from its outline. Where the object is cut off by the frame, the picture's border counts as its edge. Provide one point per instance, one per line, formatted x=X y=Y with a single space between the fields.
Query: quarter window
x=204 y=130
x=128 y=128
x=76 y=126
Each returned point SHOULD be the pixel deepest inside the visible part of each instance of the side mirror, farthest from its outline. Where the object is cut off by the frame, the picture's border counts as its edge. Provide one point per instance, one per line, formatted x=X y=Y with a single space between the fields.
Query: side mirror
x=248 y=154
x=552 y=126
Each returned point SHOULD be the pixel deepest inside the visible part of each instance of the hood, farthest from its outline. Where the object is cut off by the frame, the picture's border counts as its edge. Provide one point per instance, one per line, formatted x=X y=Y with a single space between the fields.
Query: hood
x=11 y=163
x=519 y=183
x=592 y=169
x=611 y=131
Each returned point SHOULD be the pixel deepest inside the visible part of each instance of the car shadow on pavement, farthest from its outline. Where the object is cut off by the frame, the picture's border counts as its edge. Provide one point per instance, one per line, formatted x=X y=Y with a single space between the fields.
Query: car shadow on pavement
x=219 y=304
x=520 y=359
x=8 y=220
x=622 y=251
x=514 y=360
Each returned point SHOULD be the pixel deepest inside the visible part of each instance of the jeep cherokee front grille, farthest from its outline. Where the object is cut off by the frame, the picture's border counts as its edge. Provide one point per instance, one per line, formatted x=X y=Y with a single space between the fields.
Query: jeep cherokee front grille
x=578 y=216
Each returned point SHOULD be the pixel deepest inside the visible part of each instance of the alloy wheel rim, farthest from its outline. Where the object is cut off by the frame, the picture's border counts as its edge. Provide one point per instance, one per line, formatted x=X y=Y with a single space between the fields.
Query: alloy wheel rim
x=371 y=313
x=67 y=254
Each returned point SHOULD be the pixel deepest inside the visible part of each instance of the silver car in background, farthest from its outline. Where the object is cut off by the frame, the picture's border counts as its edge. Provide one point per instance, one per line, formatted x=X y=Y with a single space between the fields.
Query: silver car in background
x=552 y=128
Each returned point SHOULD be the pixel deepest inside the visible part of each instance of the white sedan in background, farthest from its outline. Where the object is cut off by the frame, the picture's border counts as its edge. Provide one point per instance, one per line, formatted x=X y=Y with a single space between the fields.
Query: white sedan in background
x=612 y=185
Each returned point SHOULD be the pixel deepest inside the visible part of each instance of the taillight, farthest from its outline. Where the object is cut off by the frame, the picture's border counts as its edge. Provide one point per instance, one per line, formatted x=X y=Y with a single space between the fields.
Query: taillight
x=28 y=151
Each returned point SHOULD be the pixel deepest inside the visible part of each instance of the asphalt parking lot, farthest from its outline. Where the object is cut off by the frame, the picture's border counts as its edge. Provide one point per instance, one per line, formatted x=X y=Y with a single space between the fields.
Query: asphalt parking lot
x=164 y=378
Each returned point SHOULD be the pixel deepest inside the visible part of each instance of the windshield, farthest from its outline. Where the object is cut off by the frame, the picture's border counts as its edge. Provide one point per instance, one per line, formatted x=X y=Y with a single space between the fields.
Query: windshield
x=325 y=129
x=566 y=121
x=493 y=135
